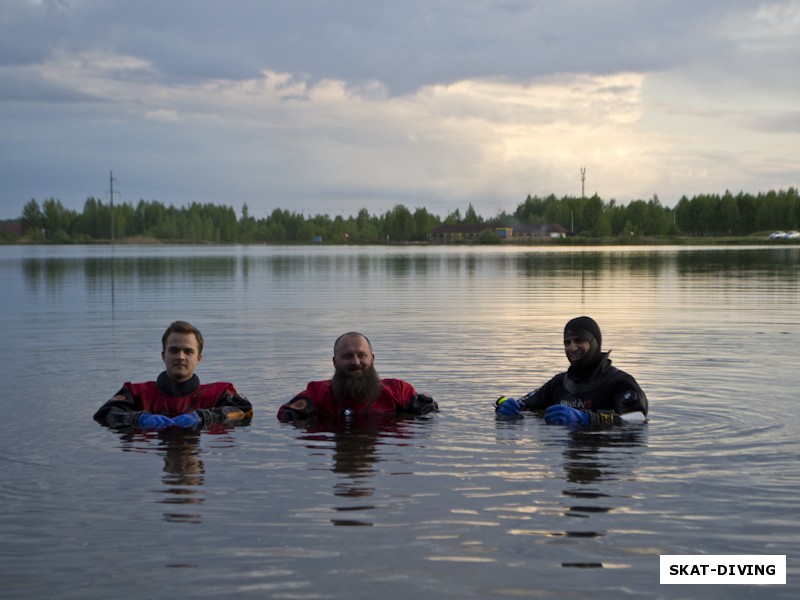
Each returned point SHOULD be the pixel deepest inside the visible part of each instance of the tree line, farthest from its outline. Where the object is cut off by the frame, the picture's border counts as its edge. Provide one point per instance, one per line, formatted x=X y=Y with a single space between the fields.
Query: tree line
x=702 y=215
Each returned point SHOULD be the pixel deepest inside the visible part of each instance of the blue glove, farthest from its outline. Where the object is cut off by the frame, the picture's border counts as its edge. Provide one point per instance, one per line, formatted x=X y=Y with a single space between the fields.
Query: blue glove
x=151 y=421
x=559 y=414
x=507 y=407
x=187 y=421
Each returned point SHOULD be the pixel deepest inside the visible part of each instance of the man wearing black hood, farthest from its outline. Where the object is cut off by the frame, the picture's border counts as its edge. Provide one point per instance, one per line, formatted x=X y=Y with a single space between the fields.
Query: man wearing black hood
x=590 y=392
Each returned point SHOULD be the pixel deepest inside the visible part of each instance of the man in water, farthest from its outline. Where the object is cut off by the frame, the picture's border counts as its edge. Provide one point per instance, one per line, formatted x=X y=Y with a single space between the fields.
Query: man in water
x=176 y=398
x=590 y=392
x=355 y=389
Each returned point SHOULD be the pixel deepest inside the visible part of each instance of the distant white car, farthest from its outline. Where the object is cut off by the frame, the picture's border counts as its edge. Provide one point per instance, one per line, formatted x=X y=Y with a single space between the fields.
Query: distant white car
x=793 y=235
x=778 y=235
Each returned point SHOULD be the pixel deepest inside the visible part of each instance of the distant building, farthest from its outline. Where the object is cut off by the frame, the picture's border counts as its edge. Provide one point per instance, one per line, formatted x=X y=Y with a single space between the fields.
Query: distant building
x=461 y=233
x=458 y=233
x=550 y=230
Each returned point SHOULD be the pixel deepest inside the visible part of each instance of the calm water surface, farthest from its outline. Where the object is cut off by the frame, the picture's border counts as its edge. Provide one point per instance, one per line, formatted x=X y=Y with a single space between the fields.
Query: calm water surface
x=458 y=506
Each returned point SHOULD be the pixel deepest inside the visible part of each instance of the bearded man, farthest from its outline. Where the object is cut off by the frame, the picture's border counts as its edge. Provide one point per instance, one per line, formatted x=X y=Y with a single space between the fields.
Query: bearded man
x=590 y=392
x=355 y=389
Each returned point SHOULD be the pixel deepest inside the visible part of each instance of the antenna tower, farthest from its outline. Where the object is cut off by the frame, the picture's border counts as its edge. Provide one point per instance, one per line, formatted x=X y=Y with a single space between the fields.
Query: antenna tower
x=583 y=181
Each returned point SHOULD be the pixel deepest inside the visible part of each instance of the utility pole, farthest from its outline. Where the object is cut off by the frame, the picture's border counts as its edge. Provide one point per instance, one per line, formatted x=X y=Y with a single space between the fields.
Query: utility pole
x=583 y=180
x=111 y=194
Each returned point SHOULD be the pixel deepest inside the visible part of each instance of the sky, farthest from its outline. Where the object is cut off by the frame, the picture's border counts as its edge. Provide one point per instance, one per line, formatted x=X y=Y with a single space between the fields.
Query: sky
x=327 y=107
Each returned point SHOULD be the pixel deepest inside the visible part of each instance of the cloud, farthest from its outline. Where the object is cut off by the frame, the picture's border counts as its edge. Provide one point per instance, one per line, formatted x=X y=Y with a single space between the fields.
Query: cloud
x=787 y=122
x=331 y=106
x=18 y=85
x=405 y=45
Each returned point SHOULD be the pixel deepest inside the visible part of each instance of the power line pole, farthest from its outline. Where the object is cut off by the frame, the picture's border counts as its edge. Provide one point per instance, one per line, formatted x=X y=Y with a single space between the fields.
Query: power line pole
x=111 y=194
x=583 y=180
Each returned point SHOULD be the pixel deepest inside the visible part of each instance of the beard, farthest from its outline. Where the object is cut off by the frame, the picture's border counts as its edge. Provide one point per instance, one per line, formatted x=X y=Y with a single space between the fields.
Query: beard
x=356 y=386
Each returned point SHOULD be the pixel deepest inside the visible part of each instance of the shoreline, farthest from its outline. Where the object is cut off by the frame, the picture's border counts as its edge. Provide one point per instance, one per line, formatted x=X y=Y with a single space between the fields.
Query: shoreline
x=566 y=242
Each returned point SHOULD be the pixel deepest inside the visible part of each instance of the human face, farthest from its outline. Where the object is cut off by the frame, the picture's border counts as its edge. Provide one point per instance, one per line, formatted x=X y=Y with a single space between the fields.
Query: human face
x=576 y=348
x=181 y=356
x=352 y=356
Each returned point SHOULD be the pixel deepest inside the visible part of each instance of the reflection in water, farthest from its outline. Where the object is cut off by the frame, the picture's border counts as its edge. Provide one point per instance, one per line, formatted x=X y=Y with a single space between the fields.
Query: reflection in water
x=593 y=456
x=183 y=472
x=150 y=270
x=591 y=461
x=155 y=271
x=183 y=469
x=356 y=445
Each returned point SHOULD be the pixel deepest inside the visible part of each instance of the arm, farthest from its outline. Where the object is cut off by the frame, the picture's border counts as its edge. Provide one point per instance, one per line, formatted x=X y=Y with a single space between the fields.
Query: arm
x=538 y=399
x=630 y=402
x=298 y=409
x=421 y=404
x=122 y=410
x=510 y=407
x=629 y=406
x=232 y=408
x=410 y=402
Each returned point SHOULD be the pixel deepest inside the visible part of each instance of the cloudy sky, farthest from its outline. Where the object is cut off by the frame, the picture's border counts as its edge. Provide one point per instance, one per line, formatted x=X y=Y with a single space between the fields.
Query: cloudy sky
x=326 y=107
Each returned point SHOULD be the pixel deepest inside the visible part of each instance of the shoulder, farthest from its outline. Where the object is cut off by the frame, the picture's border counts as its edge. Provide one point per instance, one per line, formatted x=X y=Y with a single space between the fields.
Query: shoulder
x=325 y=384
x=220 y=387
x=315 y=390
x=398 y=387
x=138 y=387
x=541 y=395
x=620 y=375
x=130 y=384
x=225 y=384
x=396 y=383
x=556 y=380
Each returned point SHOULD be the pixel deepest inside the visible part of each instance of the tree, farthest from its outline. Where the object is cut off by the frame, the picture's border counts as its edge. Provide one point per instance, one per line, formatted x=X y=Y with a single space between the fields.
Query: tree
x=398 y=224
x=471 y=217
x=602 y=227
x=424 y=223
x=657 y=219
x=32 y=220
x=682 y=214
x=531 y=211
x=57 y=220
x=728 y=215
x=247 y=225
x=704 y=214
x=592 y=214
x=454 y=218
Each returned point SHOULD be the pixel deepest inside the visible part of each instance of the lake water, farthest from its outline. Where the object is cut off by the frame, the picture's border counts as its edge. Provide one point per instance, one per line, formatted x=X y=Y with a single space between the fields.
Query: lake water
x=458 y=506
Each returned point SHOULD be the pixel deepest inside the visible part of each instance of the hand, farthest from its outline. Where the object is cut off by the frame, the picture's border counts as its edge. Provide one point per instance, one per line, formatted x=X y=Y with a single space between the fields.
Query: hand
x=560 y=414
x=151 y=421
x=507 y=407
x=186 y=421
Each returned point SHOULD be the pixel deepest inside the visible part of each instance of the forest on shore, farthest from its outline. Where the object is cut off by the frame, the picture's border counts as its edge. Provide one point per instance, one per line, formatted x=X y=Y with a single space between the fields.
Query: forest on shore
x=592 y=218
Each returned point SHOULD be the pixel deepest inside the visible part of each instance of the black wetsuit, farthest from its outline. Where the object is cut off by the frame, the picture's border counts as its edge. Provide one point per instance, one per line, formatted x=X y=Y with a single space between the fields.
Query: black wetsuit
x=604 y=391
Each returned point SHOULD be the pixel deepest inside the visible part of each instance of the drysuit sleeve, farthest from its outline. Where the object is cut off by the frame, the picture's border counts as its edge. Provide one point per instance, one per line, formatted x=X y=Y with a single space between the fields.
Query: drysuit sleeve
x=299 y=408
x=232 y=408
x=422 y=404
x=122 y=410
